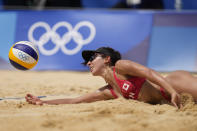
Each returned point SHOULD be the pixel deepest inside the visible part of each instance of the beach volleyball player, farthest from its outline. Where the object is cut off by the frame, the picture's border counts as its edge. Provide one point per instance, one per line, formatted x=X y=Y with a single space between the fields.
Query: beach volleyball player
x=130 y=80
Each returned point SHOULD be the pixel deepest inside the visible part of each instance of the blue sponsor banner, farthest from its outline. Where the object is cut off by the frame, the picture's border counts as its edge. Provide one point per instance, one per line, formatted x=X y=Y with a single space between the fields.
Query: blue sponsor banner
x=62 y=35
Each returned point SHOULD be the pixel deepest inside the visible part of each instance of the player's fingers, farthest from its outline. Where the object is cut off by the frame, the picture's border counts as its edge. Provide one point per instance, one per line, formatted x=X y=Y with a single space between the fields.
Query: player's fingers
x=26 y=98
x=181 y=105
x=174 y=104
x=34 y=101
x=29 y=101
x=29 y=95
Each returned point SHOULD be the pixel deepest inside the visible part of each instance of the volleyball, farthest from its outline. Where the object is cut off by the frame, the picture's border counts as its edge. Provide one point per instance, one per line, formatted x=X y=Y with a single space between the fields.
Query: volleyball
x=23 y=55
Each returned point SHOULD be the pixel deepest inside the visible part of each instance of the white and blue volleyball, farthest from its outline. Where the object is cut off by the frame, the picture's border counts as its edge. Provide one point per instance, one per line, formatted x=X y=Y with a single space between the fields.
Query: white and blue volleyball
x=23 y=55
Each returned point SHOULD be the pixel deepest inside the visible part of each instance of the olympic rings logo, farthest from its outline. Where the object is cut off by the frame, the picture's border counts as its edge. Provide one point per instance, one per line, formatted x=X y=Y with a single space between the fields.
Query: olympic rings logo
x=23 y=56
x=61 y=42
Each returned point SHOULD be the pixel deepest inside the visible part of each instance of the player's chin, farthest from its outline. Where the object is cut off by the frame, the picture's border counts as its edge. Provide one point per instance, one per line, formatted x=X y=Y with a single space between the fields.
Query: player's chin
x=94 y=73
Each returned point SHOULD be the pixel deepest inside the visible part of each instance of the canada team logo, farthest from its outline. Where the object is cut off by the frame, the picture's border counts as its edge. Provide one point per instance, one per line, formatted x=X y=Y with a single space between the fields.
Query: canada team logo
x=60 y=42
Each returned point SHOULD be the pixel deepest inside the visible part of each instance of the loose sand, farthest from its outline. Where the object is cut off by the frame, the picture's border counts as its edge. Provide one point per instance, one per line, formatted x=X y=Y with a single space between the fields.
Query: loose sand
x=111 y=115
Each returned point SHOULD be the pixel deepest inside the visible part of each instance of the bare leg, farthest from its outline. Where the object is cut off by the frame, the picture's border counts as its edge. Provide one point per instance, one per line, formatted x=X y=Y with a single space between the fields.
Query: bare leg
x=183 y=82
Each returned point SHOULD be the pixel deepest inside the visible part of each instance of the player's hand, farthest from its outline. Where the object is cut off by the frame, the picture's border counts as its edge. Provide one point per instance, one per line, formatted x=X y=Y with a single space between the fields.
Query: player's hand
x=33 y=100
x=176 y=100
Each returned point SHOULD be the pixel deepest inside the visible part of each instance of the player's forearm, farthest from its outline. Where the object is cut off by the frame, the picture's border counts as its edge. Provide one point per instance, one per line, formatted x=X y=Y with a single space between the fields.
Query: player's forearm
x=60 y=101
x=158 y=79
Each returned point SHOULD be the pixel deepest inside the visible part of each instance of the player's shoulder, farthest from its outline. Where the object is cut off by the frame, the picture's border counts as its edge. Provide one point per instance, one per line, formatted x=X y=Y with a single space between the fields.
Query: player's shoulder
x=121 y=64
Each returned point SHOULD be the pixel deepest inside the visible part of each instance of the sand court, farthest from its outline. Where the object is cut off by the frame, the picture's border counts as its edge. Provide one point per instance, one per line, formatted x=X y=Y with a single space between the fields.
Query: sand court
x=111 y=115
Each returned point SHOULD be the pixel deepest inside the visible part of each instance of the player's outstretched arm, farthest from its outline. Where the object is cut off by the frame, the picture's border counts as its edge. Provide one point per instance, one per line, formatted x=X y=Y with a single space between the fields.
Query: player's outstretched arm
x=101 y=94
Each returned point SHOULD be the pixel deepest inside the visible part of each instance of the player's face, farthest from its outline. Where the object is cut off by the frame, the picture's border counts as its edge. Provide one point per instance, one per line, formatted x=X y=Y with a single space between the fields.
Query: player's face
x=96 y=64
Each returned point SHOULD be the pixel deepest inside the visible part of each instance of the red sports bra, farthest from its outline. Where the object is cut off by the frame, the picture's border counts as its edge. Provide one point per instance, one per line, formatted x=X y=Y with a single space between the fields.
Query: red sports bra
x=132 y=85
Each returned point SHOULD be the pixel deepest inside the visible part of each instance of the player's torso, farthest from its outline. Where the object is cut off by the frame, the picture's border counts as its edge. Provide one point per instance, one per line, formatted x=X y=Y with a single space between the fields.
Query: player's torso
x=127 y=85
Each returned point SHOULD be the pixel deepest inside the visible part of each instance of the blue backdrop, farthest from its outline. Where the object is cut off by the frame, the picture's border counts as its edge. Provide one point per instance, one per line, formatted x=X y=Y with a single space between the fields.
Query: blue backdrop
x=173 y=43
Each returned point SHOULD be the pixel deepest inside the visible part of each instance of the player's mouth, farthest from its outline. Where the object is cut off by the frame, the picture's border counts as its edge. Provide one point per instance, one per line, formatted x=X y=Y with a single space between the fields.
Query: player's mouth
x=91 y=69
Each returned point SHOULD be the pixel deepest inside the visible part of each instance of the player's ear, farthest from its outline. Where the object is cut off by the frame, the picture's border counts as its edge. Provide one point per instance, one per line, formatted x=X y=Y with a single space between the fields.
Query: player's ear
x=107 y=59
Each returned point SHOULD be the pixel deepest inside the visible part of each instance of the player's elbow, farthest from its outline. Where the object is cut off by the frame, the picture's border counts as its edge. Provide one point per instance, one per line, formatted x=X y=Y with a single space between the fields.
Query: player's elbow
x=152 y=75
